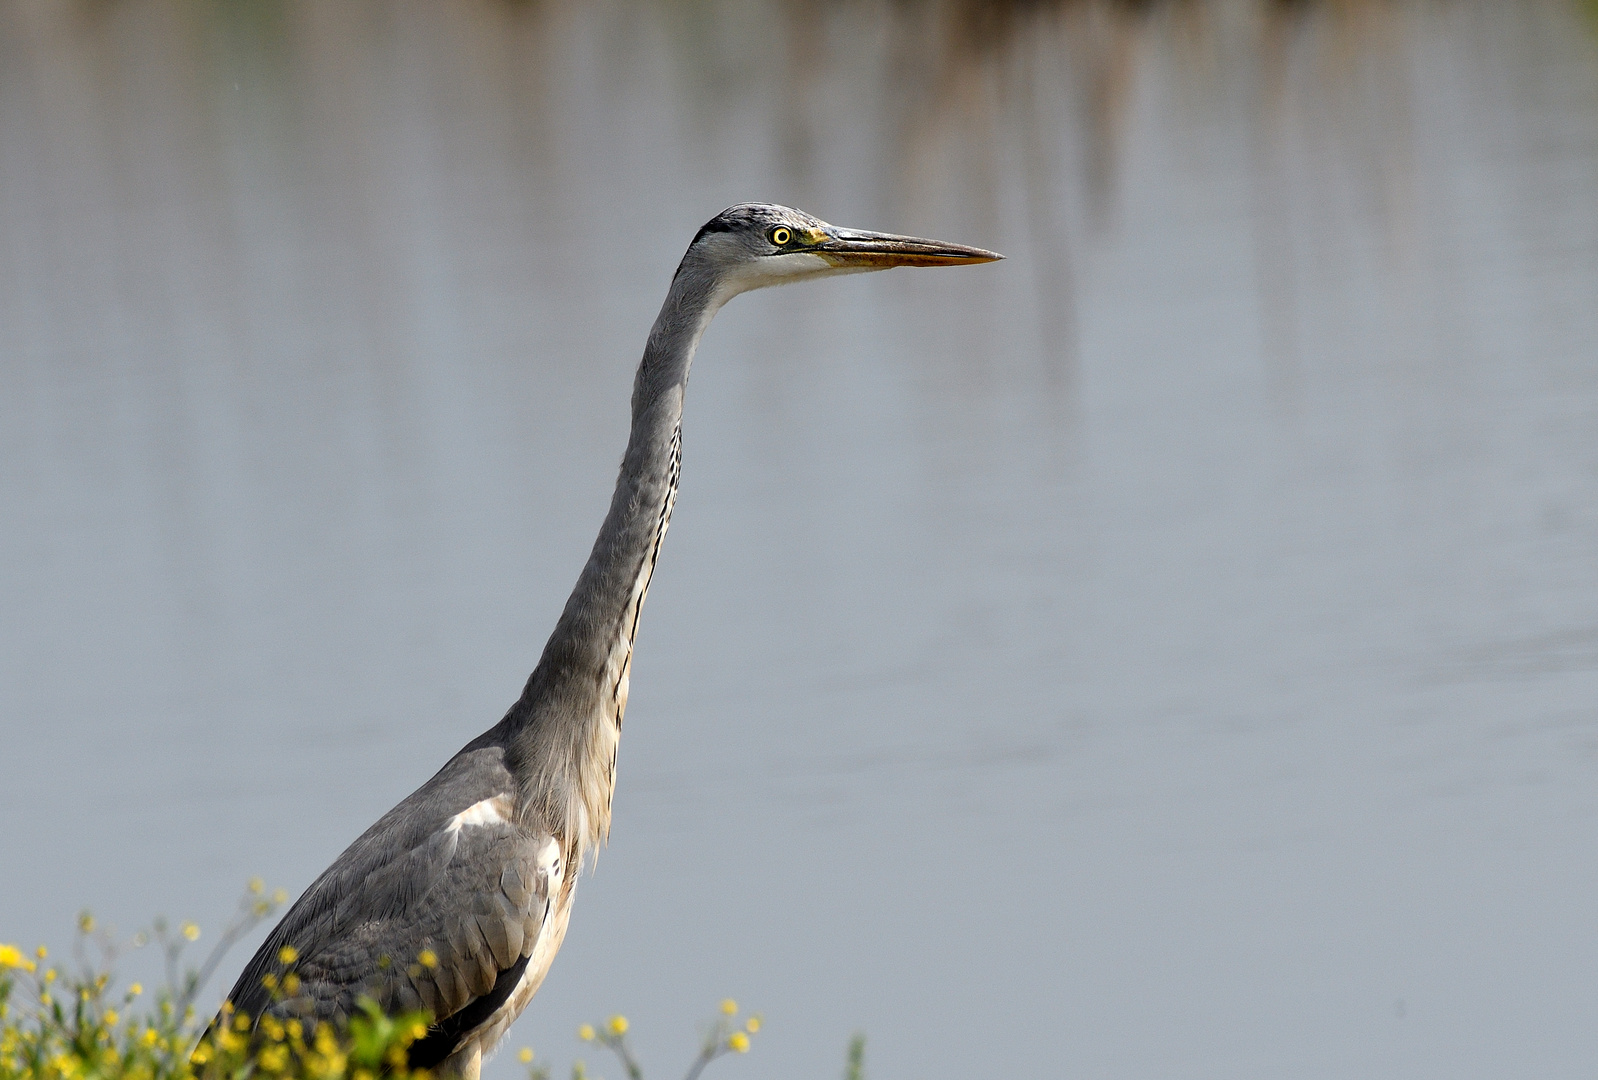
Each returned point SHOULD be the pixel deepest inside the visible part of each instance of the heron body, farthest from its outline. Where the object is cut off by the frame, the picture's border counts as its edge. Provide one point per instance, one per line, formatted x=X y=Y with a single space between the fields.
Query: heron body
x=457 y=899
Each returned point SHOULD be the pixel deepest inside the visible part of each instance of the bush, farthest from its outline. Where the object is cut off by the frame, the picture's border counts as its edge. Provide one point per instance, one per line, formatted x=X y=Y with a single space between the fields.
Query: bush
x=75 y=1024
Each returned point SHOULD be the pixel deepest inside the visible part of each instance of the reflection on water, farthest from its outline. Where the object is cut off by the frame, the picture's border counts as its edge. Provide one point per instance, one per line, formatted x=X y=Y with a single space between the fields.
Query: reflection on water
x=1168 y=652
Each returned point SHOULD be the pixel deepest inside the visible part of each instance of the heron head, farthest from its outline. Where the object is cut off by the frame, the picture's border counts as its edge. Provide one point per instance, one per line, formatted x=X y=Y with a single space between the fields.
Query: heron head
x=753 y=245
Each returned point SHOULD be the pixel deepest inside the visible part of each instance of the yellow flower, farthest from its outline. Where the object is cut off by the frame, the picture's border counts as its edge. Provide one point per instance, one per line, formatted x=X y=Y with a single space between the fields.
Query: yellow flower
x=753 y=1025
x=738 y=1042
x=291 y=984
x=85 y=923
x=586 y=1033
x=525 y=1055
x=269 y=981
x=11 y=957
x=427 y=958
x=50 y=975
x=190 y=931
x=288 y=954
x=149 y=1037
x=279 y=896
x=111 y=1018
x=257 y=886
x=617 y=1025
x=41 y=952
x=729 y=1007
x=136 y=989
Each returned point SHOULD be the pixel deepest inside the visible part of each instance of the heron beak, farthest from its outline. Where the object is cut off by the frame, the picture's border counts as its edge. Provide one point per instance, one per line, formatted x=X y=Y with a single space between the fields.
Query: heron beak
x=878 y=251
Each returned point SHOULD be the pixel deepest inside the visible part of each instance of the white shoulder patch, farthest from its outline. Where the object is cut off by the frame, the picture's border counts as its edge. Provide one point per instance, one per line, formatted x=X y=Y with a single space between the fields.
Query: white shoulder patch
x=488 y=812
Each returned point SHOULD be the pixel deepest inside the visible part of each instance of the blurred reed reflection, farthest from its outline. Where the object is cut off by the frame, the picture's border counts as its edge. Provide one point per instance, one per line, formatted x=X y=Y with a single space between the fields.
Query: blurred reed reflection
x=1185 y=628
x=223 y=118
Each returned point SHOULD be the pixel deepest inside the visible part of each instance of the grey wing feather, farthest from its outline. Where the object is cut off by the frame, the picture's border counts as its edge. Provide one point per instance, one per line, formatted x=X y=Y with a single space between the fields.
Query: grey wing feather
x=472 y=889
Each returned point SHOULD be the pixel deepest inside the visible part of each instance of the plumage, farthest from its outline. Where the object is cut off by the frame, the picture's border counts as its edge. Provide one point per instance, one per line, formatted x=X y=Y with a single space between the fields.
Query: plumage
x=457 y=899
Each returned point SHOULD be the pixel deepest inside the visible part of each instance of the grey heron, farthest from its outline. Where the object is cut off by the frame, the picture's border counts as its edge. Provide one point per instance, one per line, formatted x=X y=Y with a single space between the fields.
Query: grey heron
x=456 y=900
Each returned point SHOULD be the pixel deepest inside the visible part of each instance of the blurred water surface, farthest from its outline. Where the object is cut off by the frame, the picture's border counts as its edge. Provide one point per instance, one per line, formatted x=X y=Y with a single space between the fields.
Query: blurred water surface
x=1171 y=652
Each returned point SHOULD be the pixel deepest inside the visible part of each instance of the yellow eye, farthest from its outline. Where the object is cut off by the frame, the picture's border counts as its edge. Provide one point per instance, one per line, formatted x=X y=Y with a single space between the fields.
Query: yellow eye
x=781 y=235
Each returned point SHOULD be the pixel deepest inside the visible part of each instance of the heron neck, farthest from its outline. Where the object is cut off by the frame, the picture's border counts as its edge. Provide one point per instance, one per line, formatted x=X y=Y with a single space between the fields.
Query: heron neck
x=582 y=676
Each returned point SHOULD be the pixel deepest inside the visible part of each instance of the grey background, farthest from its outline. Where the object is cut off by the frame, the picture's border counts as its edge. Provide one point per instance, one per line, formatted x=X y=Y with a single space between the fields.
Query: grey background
x=1171 y=652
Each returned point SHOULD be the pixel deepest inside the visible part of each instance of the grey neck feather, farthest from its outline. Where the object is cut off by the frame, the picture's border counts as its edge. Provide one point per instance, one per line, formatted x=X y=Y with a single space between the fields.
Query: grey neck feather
x=575 y=676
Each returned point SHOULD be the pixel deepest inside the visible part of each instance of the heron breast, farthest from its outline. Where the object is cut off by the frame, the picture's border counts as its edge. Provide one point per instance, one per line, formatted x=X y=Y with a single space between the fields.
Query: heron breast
x=550 y=936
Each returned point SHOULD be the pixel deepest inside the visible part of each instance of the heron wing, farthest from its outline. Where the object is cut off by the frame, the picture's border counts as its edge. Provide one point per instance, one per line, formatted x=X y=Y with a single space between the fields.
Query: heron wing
x=437 y=906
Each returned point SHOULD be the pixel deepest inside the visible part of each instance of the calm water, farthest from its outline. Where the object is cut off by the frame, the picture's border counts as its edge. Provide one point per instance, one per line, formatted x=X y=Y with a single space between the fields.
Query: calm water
x=1172 y=652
